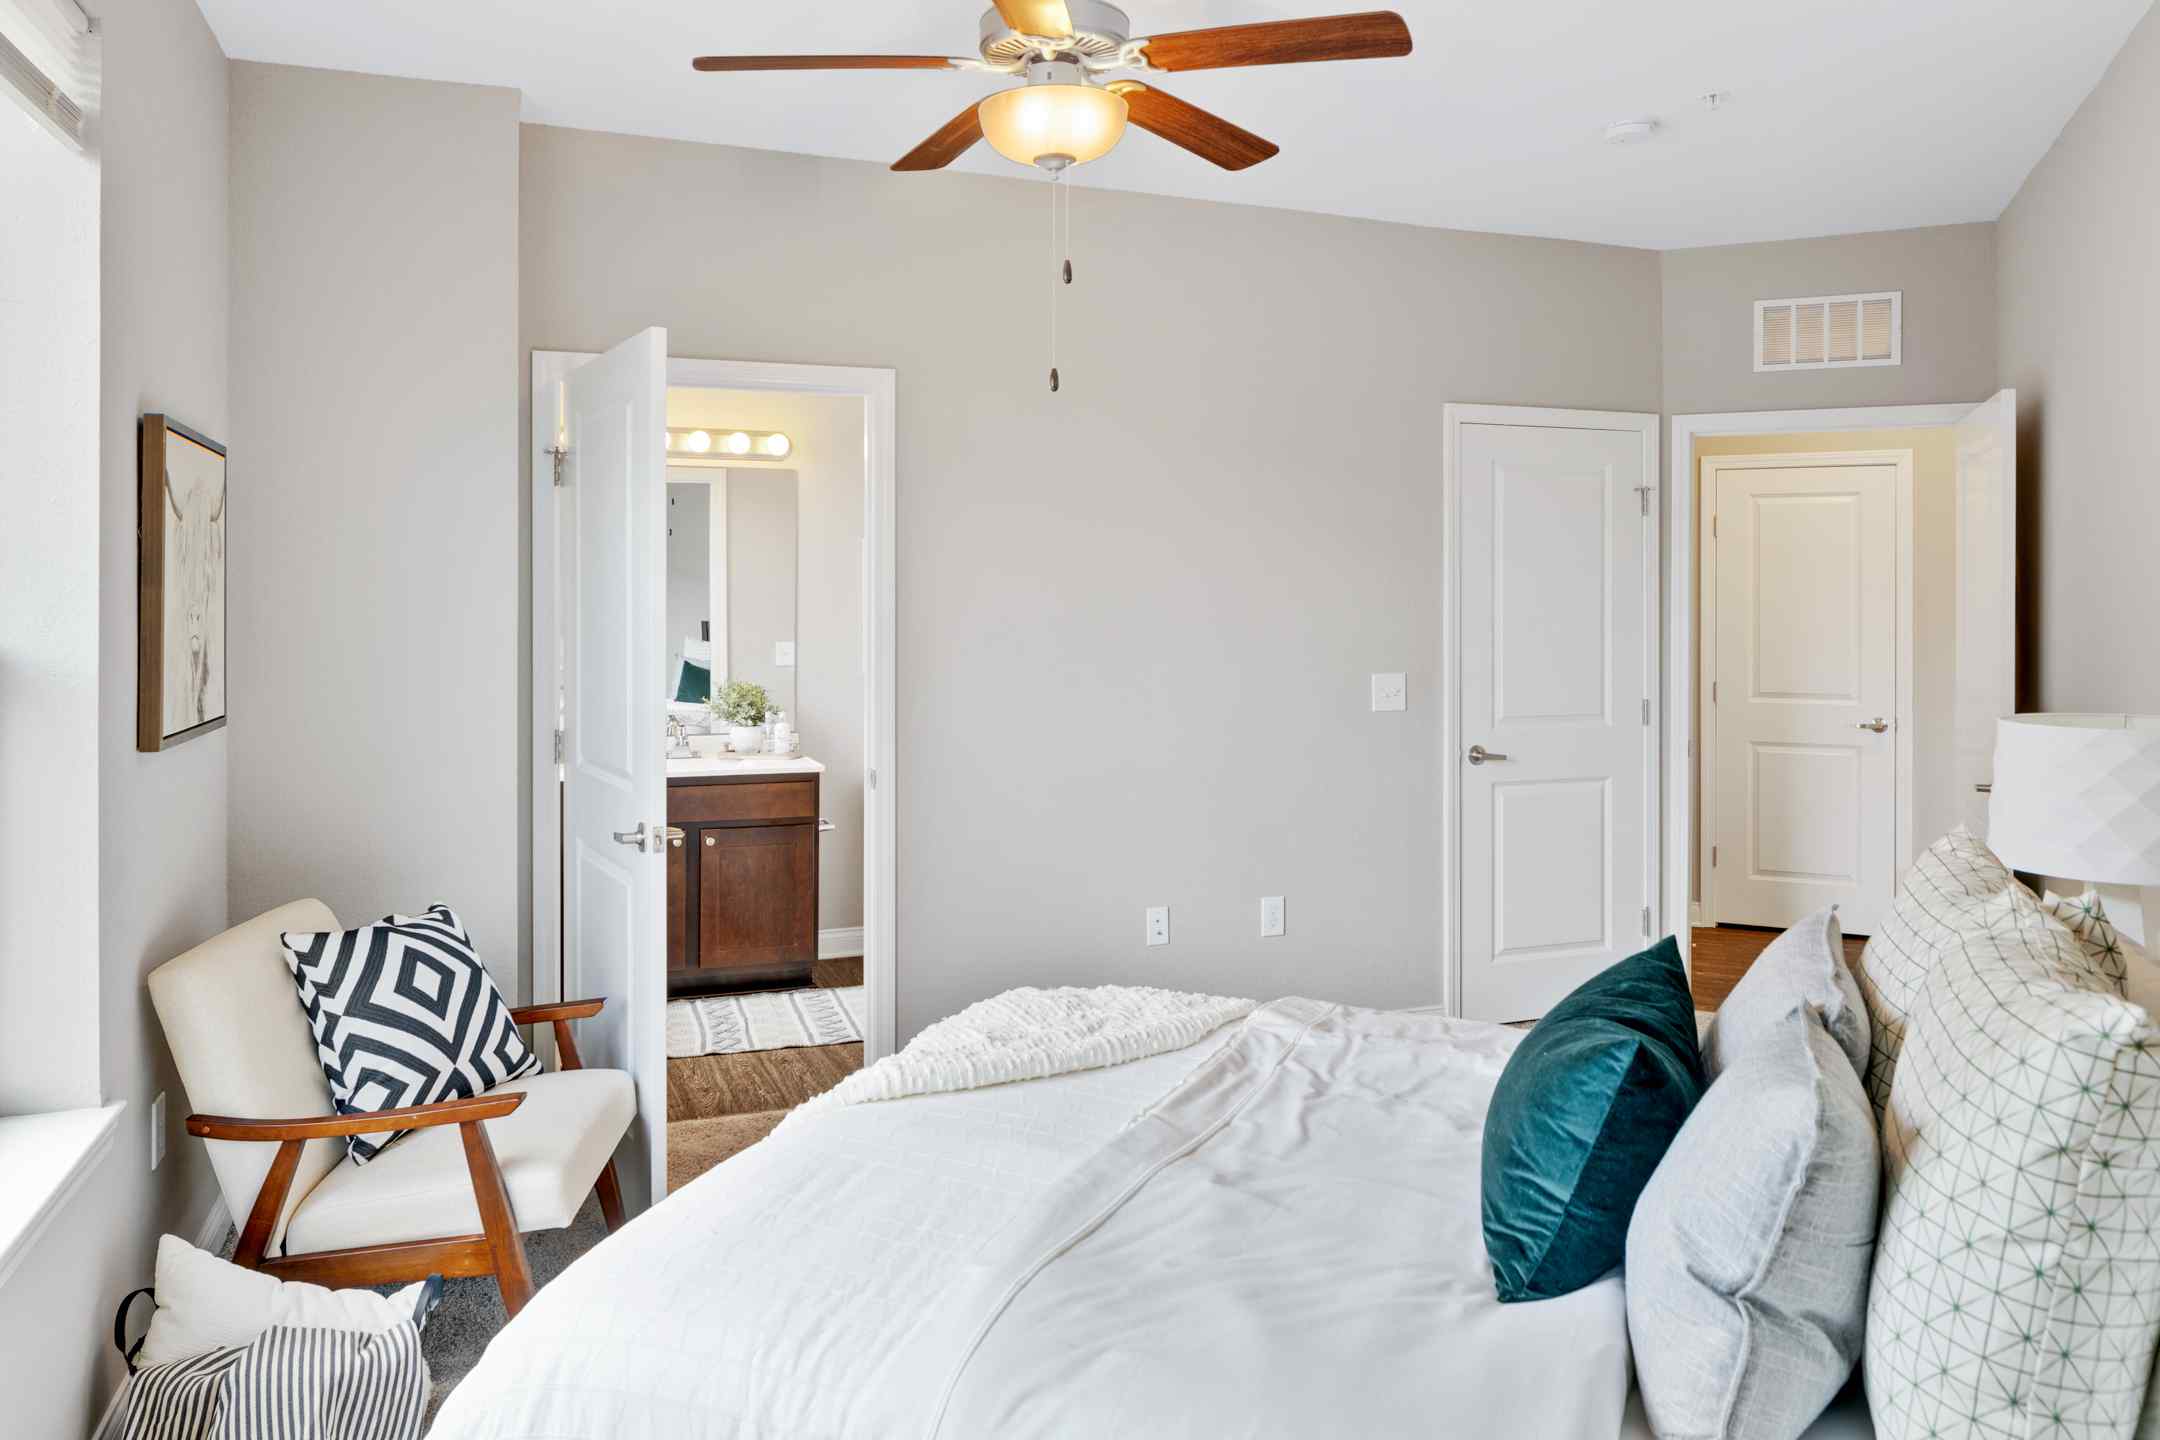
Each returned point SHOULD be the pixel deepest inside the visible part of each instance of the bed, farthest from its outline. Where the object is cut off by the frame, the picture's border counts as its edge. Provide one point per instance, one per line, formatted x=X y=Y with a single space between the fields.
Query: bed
x=1285 y=1242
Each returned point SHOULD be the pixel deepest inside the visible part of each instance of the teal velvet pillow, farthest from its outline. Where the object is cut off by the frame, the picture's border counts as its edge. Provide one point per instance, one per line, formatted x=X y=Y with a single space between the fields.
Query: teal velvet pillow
x=1583 y=1112
x=694 y=685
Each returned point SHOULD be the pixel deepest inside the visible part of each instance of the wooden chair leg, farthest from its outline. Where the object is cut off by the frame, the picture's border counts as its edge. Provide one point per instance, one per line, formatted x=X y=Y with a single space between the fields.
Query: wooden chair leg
x=610 y=1193
x=512 y=1272
x=269 y=1201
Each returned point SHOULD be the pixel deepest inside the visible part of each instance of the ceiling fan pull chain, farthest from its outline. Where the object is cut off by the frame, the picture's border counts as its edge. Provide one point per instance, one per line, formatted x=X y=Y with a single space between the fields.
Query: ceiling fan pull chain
x=1053 y=283
x=1067 y=243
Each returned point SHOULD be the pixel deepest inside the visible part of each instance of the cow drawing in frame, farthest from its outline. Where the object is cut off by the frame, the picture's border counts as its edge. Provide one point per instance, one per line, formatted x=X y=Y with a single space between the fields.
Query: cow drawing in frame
x=181 y=654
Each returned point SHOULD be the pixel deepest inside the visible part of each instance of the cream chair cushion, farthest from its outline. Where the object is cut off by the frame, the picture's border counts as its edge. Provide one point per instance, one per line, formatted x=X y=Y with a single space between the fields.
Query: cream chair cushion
x=551 y=1150
x=243 y=1047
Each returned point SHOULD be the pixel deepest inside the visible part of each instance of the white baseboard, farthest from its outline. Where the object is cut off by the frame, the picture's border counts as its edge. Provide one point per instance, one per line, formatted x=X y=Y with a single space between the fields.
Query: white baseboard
x=210 y=1235
x=1695 y=920
x=840 y=944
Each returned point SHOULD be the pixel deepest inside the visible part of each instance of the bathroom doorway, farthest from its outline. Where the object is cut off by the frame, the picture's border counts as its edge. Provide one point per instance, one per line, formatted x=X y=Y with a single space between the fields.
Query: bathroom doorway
x=772 y=606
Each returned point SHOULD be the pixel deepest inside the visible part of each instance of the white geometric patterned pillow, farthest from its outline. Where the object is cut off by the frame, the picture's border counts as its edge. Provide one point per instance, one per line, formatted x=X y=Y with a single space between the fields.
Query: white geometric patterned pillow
x=404 y=1013
x=2016 y=1289
x=1951 y=879
x=2085 y=917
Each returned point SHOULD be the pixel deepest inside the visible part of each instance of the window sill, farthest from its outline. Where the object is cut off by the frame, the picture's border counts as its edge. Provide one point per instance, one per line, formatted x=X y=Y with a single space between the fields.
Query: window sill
x=46 y=1159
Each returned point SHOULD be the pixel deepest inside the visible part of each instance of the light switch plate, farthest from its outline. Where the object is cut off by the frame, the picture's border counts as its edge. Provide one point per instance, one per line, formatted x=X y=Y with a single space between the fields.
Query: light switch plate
x=1270 y=915
x=783 y=653
x=1390 y=692
x=1158 y=925
x=157 y=1131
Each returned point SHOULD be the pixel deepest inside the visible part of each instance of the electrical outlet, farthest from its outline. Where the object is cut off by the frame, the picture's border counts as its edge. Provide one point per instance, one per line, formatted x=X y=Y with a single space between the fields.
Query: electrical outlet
x=1158 y=925
x=1270 y=915
x=1390 y=692
x=157 y=1131
x=783 y=653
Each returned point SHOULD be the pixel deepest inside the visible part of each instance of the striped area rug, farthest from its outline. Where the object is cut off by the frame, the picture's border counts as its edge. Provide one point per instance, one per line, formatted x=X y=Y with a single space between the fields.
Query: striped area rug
x=766 y=1020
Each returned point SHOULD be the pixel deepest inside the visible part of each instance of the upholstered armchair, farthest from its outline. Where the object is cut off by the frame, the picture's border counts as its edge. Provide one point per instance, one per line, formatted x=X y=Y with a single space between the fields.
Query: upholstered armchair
x=452 y=1198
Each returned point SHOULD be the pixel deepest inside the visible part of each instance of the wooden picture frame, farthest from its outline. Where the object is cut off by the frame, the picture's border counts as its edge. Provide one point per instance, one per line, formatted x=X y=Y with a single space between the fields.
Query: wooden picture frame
x=180 y=549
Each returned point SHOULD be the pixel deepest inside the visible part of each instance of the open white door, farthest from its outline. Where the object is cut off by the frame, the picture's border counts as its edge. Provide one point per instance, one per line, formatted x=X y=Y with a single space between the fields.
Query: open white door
x=1555 y=756
x=1987 y=596
x=613 y=508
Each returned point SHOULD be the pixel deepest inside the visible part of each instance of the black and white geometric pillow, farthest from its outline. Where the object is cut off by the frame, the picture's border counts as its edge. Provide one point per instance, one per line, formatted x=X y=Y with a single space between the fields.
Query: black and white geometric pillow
x=404 y=1013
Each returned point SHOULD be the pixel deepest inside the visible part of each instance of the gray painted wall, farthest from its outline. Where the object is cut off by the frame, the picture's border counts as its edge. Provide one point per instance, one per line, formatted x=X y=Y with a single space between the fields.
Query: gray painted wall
x=1136 y=619
x=375 y=720
x=161 y=871
x=2080 y=295
x=762 y=537
x=1947 y=273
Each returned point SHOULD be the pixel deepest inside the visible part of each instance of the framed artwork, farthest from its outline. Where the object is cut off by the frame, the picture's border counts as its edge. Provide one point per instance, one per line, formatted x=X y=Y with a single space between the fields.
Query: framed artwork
x=180 y=535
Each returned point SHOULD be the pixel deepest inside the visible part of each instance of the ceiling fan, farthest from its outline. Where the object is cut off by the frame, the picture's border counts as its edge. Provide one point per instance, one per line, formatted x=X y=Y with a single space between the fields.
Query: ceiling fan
x=1066 y=114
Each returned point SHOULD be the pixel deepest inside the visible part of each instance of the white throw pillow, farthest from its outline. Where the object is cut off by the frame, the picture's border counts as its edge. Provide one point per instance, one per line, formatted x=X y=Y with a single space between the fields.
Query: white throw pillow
x=1805 y=966
x=2016 y=1289
x=1748 y=1254
x=1951 y=879
x=205 y=1304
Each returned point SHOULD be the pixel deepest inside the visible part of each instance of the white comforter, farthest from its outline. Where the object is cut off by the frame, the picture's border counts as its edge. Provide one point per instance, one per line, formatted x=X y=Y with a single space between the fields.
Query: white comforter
x=1287 y=1243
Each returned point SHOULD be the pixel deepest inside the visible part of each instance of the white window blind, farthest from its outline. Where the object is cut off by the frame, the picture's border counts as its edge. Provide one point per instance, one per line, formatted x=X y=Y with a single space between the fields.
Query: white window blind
x=49 y=63
x=1824 y=332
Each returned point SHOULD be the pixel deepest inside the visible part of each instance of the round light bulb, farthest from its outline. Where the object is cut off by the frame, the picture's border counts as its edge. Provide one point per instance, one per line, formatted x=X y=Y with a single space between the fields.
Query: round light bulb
x=738 y=443
x=1053 y=125
x=698 y=441
x=776 y=444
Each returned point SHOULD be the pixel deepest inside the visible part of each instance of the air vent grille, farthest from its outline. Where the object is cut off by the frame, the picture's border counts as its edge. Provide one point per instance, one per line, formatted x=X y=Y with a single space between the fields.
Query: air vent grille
x=1829 y=332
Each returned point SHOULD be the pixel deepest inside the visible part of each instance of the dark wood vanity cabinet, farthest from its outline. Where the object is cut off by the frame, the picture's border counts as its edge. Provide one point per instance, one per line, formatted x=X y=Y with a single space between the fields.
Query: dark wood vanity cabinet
x=742 y=881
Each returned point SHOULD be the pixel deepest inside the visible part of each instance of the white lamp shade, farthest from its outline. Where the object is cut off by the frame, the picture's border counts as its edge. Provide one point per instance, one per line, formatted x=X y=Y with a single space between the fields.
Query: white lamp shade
x=2078 y=796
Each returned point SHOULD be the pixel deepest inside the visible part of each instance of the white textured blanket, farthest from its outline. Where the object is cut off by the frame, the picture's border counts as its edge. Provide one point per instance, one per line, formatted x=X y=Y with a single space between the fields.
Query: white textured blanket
x=1030 y=1034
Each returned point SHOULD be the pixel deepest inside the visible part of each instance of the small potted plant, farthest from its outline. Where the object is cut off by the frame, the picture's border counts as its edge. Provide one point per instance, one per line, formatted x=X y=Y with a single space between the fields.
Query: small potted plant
x=740 y=706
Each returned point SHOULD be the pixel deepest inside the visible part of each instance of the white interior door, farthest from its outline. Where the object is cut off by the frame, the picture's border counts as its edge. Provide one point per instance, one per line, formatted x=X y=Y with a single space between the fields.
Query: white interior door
x=1804 y=560
x=613 y=508
x=1986 y=595
x=1555 y=765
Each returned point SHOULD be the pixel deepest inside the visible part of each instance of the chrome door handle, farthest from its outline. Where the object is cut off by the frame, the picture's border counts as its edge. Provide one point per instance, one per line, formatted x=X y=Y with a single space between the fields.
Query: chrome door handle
x=635 y=837
x=826 y=826
x=1878 y=725
x=659 y=836
x=673 y=834
x=1479 y=755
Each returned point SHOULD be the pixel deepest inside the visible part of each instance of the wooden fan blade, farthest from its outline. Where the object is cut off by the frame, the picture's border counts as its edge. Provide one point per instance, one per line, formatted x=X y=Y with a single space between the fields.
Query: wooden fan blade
x=952 y=140
x=1374 y=35
x=1037 y=17
x=1209 y=136
x=821 y=62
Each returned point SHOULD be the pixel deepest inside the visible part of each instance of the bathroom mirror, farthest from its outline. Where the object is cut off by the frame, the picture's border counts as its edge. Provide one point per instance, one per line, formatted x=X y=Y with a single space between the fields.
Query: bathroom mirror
x=731 y=582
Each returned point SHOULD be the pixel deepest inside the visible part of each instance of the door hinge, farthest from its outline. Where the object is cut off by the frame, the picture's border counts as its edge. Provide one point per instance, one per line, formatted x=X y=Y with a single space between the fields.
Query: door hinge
x=558 y=747
x=870 y=776
x=1713 y=692
x=560 y=453
x=1642 y=493
x=1646 y=922
x=1713 y=857
x=1646 y=710
x=1713 y=527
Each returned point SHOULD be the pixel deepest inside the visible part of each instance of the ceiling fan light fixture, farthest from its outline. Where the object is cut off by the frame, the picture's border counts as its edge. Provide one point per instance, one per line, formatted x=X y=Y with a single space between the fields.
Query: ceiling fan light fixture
x=1053 y=126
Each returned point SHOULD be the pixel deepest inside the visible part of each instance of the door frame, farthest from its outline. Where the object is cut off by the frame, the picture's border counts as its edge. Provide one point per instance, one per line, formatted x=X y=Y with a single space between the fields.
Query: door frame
x=1453 y=418
x=875 y=387
x=1902 y=654
x=1680 y=659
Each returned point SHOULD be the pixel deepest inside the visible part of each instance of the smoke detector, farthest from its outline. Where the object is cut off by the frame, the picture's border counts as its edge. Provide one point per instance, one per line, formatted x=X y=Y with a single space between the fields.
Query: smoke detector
x=1629 y=132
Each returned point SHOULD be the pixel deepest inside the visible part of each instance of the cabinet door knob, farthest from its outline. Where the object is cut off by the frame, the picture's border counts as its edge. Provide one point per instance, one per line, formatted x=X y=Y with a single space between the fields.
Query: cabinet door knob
x=710 y=840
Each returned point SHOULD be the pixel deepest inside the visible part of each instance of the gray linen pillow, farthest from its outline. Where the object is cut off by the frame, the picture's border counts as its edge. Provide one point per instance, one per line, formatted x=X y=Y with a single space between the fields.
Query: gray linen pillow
x=1749 y=1251
x=1804 y=966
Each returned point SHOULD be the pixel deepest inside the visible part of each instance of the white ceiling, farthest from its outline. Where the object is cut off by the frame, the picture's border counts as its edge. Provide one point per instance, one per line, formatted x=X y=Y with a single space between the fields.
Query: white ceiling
x=1845 y=115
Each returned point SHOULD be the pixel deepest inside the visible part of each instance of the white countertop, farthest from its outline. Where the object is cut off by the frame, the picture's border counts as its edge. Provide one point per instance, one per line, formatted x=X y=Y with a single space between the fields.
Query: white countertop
x=703 y=765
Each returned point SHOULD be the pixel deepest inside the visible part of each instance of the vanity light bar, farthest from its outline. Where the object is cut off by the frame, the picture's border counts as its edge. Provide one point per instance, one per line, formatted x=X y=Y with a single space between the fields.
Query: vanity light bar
x=722 y=446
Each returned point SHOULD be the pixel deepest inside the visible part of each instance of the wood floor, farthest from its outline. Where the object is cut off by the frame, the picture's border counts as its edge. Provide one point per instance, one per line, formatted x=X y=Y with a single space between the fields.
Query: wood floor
x=1721 y=954
x=721 y=1104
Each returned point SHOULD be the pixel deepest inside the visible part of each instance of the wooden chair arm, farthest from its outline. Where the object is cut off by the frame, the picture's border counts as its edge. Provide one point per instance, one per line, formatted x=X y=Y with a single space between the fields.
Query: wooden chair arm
x=329 y=1127
x=560 y=1014
x=292 y=1136
x=560 y=1010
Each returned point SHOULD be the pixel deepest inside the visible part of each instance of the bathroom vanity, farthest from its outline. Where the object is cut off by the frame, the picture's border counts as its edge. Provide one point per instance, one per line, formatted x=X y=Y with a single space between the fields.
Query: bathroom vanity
x=742 y=878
